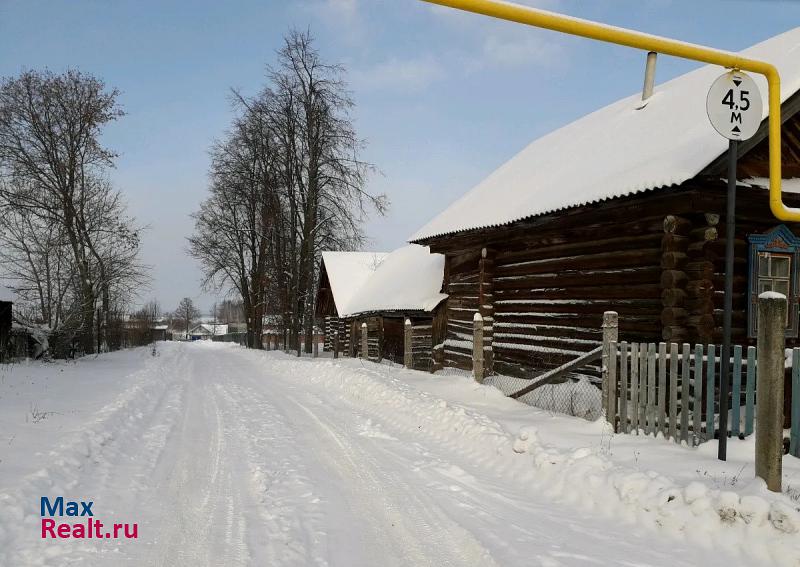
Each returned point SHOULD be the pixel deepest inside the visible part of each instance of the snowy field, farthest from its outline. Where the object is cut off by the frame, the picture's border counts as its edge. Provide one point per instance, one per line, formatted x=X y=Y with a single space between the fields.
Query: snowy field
x=224 y=456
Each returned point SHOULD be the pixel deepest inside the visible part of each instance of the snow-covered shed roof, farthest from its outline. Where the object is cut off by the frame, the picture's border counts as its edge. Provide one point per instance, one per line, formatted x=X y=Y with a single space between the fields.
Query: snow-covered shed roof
x=615 y=151
x=347 y=272
x=209 y=329
x=408 y=279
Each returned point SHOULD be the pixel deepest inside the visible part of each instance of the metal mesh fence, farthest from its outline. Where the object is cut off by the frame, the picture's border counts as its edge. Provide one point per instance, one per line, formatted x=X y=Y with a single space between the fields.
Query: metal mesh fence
x=579 y=395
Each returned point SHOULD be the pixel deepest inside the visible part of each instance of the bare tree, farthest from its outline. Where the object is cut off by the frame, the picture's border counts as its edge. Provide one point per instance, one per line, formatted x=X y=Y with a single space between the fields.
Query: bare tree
x=142 y=323
x=187 y=313
x=323 y=172
x=286 y=182
x=230 y=311
x=52 y=162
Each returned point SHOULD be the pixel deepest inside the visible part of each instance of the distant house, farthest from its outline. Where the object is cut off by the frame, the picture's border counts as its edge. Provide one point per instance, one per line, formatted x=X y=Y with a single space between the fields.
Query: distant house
x=204 y=331
x=624 y=210
x=405 y=285
x=159 y=332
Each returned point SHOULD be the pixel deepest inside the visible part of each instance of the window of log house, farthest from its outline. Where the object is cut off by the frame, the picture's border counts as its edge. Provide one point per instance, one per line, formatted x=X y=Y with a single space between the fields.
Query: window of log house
x=774 y=263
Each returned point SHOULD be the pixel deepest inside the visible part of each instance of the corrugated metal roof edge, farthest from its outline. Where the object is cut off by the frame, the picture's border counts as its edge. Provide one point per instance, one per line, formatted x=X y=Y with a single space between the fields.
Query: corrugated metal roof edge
x=424 y=239
x=395 y=310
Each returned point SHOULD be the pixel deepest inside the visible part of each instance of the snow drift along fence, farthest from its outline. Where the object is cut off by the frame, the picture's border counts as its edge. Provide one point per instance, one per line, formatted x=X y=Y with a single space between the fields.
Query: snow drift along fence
x=673 y=391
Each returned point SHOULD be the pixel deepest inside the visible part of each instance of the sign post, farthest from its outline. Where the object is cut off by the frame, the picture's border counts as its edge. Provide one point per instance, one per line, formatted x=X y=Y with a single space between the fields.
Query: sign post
x=735 y=110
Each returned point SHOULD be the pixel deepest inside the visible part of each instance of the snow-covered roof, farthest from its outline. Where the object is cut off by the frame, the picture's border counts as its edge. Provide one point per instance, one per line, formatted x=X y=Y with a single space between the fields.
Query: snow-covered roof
x=209 y=329
x=408 y=279
x=787 y=185
x=347 y=272
x=618 y=150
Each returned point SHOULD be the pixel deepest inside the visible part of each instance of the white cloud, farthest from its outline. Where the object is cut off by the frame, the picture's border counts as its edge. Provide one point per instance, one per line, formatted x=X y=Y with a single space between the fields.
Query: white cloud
x=504 y=44
x=343 y=15
x=342 y=8
x=519 y=50
x=409 y=75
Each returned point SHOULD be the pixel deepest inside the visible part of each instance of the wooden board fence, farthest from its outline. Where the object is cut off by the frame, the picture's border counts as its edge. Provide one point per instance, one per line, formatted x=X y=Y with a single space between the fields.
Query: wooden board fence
x=671 y=391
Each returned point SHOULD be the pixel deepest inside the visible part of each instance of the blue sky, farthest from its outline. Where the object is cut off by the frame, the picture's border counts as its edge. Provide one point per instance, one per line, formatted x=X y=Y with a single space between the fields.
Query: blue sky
x=443 y=98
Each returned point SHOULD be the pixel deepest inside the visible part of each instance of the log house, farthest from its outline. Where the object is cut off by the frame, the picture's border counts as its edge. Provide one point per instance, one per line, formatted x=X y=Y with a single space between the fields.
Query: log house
x=621 y=210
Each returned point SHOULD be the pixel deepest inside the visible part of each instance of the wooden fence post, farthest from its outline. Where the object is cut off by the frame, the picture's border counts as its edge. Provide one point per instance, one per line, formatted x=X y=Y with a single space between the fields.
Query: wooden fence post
x=364 y=342
x=316 y=344
x=769 y=381
x=477 y=348
x=408 y=359
x=609 y=366
x=336 y=344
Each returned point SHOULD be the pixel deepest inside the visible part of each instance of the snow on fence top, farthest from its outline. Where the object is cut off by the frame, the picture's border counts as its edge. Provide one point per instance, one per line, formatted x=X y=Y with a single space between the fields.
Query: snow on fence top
x=409 y=279
x=347 y=272
x=618 y=150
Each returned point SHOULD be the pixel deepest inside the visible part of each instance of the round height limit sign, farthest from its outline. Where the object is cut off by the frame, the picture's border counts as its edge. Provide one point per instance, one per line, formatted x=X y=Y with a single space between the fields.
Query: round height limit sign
x=734 y=106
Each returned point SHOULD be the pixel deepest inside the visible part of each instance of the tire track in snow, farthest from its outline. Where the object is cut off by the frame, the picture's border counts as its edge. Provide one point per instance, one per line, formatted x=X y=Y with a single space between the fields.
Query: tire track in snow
x=200 y=497
x=416 y=530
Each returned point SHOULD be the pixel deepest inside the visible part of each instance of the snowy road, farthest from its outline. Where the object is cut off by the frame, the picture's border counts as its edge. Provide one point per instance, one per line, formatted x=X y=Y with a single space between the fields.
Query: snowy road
x=229 y=457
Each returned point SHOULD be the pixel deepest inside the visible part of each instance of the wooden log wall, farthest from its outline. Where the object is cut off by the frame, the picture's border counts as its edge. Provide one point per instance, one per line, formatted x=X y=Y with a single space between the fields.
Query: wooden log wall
x=688 y=254
x=331 y=325
x=422 y=343
x=549 y=297
x=374 y=337
x=438 y=334
x=486 y=269
x=462 y=286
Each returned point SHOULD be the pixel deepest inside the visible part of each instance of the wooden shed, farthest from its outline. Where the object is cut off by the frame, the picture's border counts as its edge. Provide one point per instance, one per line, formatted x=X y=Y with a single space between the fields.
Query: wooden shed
x=405 y=286
x=341 y=275
x=622 y=210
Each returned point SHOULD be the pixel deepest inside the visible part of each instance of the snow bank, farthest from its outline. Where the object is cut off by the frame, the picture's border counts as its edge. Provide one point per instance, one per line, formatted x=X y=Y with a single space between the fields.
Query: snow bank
x=510 y=439
x=55 y=448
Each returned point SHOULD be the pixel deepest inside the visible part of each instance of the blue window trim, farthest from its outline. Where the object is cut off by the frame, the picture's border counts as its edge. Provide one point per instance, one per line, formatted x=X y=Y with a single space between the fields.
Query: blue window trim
x=779 y=240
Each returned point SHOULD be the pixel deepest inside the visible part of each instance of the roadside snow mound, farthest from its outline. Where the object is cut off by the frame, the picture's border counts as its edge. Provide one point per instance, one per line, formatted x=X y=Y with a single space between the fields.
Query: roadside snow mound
x=113 y=436
x=763 y=526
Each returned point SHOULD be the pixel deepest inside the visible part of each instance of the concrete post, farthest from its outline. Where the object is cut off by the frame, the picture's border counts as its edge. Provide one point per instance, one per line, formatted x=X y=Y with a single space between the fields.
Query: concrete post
x=364 y=342
x=769 y=383
x=610 y=335
x=408 y=359
x=316 y=344
x=336 y=344
x=477 y=348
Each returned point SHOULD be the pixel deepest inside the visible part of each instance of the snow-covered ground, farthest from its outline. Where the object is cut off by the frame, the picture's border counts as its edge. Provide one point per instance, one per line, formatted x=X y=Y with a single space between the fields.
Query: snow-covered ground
x=224 y=456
